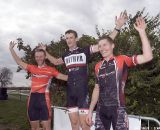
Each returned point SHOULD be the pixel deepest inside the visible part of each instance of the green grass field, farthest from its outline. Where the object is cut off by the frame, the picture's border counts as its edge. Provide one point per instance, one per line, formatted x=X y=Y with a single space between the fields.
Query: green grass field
x=13 y=114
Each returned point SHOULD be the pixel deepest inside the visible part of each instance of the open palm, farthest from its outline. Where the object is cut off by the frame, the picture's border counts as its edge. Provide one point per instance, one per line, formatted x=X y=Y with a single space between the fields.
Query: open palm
x=12 y=44
x=121 y=20
x=140 y=24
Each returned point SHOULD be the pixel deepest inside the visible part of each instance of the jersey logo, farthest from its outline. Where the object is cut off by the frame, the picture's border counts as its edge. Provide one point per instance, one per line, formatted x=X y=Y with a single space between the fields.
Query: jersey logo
x=75 y=59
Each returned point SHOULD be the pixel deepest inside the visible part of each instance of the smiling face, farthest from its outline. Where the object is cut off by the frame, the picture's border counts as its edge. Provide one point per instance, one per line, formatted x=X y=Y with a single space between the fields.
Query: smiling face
x=40 y=57
x=106 y=47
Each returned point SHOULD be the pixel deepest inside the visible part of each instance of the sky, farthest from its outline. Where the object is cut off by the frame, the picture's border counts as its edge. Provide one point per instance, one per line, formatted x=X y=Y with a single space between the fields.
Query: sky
x=45 y=20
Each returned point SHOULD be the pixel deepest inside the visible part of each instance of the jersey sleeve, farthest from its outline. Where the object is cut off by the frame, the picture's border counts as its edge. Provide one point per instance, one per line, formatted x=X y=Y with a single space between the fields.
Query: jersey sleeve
x=63 y=57
x=54 y=72
x=130 y=61
x=88 y=51
x=30 y=68
x=96 y=79
x=97 y=66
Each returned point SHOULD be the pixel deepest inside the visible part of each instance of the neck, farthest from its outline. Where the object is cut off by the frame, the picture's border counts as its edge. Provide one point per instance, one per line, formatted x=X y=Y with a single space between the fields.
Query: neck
x=108 y=57
x=41 y=65
x=72 y=48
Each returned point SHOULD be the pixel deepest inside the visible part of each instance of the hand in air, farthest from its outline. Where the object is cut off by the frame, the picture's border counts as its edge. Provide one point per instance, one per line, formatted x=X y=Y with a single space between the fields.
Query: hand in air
x=121 y=20
x=12 y=44
x=42 y=46
x=140 y=24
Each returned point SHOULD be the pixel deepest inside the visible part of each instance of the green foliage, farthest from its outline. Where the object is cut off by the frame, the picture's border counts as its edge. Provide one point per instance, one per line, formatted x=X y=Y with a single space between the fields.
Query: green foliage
x=143 y=84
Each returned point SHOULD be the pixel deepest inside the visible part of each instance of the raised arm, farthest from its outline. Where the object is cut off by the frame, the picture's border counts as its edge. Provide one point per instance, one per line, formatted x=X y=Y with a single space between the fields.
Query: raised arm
x=147 y=55
x=95 y=96
x=52 y=59
x=120 y=21
x=15 y=57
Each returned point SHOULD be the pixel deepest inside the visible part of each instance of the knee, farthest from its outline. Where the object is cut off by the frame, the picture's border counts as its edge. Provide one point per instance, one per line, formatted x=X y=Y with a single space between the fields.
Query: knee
x=75 y=122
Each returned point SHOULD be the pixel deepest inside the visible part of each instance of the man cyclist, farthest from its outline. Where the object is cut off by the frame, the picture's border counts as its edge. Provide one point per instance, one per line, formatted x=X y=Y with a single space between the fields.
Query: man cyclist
x=76 y=60
x=111 y=76
x=39 y=106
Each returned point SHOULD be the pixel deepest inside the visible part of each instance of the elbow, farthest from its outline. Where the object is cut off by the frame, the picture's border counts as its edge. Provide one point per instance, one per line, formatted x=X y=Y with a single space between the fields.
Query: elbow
x=149 y=57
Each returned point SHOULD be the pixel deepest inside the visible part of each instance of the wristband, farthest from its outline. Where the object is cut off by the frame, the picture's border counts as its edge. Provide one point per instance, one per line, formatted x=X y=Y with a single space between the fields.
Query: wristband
x=118 y=30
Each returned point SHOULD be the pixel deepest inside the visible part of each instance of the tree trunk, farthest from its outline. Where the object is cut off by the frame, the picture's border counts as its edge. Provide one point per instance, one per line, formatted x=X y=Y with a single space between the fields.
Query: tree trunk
x=3 y=94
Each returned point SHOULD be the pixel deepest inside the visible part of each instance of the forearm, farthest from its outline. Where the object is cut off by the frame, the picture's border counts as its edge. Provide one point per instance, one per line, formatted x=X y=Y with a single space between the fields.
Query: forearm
x=114 y=33
x=146 y=48
x=62 y=77
x=52 y=59
x=94 y=100
x=15 y=57
x=65 y=77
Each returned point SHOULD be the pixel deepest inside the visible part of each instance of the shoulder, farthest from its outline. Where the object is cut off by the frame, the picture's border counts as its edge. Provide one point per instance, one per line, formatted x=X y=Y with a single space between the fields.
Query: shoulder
x=65 y=53
x=49 y=67
x=31 y=66
x=121 y=57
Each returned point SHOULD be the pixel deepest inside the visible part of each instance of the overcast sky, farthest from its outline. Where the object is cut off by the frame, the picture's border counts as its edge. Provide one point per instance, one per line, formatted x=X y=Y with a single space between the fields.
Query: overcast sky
x=45 y=20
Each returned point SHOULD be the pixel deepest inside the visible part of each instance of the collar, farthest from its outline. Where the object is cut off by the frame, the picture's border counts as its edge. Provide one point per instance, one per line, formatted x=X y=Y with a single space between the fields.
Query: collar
x=73 y=49
x=111 y=58
x=42 y=66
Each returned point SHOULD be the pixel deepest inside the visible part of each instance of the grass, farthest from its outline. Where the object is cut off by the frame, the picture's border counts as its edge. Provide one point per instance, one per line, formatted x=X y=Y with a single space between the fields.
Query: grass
x=13 y=114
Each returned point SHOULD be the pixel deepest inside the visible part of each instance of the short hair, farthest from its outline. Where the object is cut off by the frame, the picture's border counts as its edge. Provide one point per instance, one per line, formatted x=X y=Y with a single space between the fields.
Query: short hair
x=106 y=37
x=71 y=31
x=39 y=50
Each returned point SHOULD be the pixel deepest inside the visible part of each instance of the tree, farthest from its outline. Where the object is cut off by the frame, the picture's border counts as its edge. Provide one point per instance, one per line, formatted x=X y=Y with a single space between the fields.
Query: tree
x=5 y=79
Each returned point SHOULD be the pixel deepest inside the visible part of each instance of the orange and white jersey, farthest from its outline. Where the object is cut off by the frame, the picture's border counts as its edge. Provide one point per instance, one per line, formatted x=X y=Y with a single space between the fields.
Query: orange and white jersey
x=41 y=77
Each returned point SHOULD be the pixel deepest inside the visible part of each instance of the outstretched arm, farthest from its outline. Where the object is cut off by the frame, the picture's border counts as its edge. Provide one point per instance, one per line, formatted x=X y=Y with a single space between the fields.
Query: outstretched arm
x=147 y=55
x=120 y=21
x=62 y=77
x=52 y=59
x=15 y=57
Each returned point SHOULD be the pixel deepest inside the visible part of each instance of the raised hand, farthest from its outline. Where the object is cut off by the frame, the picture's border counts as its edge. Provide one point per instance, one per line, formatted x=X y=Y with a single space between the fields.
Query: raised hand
x=12 y=44
x=42 y=46
x=140 y=24
x=121 y=20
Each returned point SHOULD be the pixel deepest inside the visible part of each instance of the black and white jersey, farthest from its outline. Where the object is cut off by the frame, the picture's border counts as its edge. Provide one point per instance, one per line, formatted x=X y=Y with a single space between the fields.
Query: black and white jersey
x=76 y=62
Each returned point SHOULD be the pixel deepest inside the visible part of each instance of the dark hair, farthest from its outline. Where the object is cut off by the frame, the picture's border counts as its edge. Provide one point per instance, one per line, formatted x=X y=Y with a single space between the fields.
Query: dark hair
x=71 y=31
x=39 y=50
x=106 y=37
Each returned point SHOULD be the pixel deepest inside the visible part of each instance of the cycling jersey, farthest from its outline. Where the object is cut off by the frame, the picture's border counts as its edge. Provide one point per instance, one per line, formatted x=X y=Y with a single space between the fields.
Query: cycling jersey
x=39 y=106
x=111 y=77
x=76 y=62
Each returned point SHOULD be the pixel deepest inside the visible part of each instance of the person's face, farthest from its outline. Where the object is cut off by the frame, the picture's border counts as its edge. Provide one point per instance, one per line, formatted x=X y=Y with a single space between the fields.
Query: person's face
x=40 y=58
x=71 y=40
x=105 y=48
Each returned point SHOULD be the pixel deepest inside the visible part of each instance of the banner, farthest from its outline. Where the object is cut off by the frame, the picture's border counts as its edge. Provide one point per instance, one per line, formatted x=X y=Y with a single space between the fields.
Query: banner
x=62 y=122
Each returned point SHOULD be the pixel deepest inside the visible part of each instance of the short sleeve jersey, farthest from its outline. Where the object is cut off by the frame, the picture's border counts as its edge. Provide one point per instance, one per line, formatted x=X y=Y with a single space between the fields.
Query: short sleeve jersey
x=111 y=76
x=76 y=62
x=41 y=77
